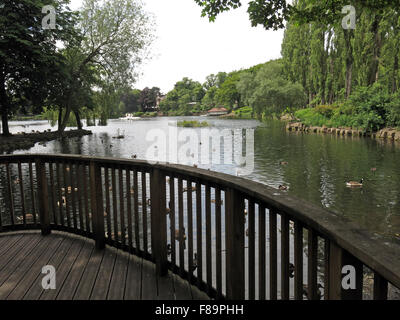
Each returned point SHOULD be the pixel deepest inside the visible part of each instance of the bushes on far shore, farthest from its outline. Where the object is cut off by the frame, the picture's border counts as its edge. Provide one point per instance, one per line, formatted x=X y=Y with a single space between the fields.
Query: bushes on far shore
x=368 y=108
x=192 y=124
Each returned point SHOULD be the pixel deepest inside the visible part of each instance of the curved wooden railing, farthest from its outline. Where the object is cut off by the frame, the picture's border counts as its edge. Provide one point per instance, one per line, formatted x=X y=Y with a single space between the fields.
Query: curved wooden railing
x=233 y=238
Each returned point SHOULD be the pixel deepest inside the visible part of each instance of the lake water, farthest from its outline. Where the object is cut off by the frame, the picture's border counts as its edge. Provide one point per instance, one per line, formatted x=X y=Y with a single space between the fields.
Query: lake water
x=317 y=165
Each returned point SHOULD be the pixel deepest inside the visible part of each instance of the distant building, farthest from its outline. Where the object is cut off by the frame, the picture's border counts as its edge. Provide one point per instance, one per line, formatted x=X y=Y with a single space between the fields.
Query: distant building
x=158 y=101
x=217 y=112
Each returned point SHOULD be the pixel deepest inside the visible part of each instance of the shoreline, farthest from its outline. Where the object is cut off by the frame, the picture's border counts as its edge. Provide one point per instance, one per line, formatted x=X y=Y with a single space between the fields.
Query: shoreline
x=27 y=141
x=384 y=134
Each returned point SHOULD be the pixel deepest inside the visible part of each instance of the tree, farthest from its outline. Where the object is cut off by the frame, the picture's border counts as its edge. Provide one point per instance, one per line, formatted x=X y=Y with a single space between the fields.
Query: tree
x=274 y=94
x=272 y=14
x=29 y=57
x=227 y=94
x=115 y=36
x=148 y=98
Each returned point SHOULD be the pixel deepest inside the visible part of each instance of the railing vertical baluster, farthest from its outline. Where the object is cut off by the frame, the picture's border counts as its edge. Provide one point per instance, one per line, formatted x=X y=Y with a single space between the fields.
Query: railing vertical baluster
x=338 y=258
x=96 y=196
x=144 y=213
x=21 y=189
x=235 y=285
x=208 y=239
x=72 y=186
x=335 y=272
x=199 y=235
x=107 y=194
x=190 y=228
x=60 y=198
x=67 y=211
x=261 y=252
x=53 y=197
x=298 y=260
x=218 y=244
x=312 y=265
x=158 y=221
x=181 y=228
x=32 y=192
x=273 y=256
x=356 y=293
x=326 y=268
x=380 y=287
x=78 y=178
x=115 y=206
x=10 y=194
x=121 y=205
x=43 y=197
x=172 y=220
x=129 y=208
x=136 y=210
x=284 y=257
x=85 y=197
x=251 y=236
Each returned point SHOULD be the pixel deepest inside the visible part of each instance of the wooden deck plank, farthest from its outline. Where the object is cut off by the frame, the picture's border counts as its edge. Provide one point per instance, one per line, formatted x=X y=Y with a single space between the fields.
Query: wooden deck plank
x=102 y=283
x=36 y=289
x=82 y=272
x=63 y=270
x=89 y=276
x=71 y=283
x=197 y=294
x=20 y=266
x=15 y=260
x=32 y=271
x=165 y=287
x=7 y=242
x=182 y=289
x=116 y=290
x=149 y=289
x=133 y=287
x=12 y=250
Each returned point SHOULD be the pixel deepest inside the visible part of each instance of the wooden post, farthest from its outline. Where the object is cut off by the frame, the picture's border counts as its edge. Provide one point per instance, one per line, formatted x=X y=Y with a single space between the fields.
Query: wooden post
x=235 y=273
x=43 y=194
x=96 y=197
x=158 y=221
x=380 y=287
x=338 y=258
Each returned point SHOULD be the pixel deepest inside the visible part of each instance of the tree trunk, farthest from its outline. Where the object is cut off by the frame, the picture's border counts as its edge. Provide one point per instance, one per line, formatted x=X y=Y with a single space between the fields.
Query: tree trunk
x=78 y=120
x=395 y=71
x=374 y=67
x=348 y=35
x=4 y=108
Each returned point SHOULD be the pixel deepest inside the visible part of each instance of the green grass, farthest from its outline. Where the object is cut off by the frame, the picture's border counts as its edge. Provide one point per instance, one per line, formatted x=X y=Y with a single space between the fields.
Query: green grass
x=193 y=124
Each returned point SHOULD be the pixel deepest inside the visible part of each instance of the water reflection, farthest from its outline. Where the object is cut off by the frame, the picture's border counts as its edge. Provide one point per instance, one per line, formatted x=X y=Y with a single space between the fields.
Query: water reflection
x=317 y=165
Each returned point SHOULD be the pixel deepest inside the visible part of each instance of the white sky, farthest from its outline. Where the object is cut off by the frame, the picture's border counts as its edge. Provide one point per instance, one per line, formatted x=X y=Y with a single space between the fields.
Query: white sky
x=188 y=45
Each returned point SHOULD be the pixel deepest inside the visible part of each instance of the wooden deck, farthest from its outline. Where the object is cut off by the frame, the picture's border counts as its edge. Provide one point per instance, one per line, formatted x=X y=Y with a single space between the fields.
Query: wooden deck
x=82 y=272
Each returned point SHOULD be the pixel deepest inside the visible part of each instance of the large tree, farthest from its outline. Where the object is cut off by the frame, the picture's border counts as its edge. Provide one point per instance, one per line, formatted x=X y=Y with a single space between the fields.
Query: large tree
x=116 y=35
x=29 y=57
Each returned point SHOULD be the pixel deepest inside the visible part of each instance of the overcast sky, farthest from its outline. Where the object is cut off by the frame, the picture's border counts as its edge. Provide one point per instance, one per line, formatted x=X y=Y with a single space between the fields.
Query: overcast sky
x=188 y=45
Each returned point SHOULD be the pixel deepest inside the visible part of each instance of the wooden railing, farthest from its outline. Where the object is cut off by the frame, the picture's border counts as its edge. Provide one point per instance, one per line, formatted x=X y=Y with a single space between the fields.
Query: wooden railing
x=231 y=237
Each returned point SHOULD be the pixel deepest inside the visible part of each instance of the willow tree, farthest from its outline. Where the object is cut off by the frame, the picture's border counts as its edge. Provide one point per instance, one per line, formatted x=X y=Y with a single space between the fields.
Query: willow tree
x=116 y=35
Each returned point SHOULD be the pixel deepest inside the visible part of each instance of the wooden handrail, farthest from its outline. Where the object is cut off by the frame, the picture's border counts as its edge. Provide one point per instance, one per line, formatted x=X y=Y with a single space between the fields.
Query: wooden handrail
x=100 y=209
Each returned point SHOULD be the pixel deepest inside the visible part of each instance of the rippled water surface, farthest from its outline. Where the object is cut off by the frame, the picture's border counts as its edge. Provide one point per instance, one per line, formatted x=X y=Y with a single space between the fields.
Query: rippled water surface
x=317 y=165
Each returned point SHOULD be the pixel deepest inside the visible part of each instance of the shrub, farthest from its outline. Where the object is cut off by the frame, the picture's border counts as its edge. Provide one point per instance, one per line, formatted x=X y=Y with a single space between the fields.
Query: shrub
x=325 y=110
x=311 y=117
x=192 y=124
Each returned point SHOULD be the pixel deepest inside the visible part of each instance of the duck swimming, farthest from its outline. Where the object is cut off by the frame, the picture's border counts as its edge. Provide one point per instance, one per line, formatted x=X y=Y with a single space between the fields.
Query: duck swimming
x=355 y=183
